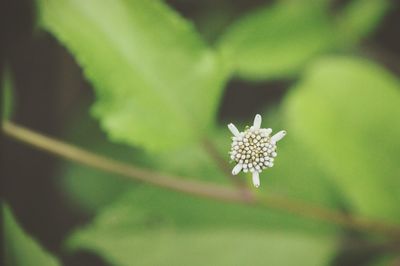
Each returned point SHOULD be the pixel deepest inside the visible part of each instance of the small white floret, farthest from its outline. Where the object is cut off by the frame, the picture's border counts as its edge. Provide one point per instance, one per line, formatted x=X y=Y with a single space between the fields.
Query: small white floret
x=256 y=179
x=237 y=169
x=234 y=130
x=257 y=122
x=278 y=136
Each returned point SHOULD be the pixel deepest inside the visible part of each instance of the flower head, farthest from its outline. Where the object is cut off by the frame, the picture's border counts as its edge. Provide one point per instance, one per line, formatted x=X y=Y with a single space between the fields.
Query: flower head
x=254 y=149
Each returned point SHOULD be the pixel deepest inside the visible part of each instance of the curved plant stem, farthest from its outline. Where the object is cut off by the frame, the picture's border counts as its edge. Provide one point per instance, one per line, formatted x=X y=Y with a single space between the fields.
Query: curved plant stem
x=212 y=151
x=197 y=188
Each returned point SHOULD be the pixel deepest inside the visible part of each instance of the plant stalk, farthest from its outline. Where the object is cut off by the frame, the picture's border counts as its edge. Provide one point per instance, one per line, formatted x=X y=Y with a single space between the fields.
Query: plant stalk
x=197 y=188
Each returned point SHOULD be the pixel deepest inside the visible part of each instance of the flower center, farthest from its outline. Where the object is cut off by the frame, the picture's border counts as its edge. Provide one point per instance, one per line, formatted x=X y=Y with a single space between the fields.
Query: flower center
x=254 y=150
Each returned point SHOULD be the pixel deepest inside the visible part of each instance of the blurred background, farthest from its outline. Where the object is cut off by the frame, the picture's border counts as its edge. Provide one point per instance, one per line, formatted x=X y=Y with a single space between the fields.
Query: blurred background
x=327 y=71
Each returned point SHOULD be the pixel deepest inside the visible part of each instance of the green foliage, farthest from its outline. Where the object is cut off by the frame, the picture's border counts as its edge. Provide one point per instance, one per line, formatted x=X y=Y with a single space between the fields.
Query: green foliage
x=278 y=41
x=385 y=260
x=148 y=217
x=141 y=57
x=153 y=227
x=158 y=86
x=146 y=206
x=87 y=187
x=346 y=111
x=275 y=42
x=92 y=189
x=359 y=18
x=8 y=97
x=219 y=247
x=140 y=65
x=295 y=175
x=19 y=248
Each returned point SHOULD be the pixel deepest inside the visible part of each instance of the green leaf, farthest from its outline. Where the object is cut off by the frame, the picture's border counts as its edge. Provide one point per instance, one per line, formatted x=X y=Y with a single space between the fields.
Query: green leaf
x=20 y=248
x=86 y=187
x=159 y=224
x=157 y=84
x=8 y=97
x=346 y=112
x=291 y=177
x=91 y=189
x=300 y=178
x=385 y=259
x=142 y=205
x=216 y=247
x=359 y=18
x=147 y=221
x=152 y=227
x=276 y=41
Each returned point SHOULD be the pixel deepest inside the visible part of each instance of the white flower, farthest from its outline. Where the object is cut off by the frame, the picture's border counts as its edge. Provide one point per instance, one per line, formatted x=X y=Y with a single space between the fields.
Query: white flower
x=254 y=150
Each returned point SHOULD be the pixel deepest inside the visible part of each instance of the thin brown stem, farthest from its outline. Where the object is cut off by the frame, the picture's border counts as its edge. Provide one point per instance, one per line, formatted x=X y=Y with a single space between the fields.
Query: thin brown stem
x=73 y=153
x=214 y=154
x=196 y=188
x=212 y=151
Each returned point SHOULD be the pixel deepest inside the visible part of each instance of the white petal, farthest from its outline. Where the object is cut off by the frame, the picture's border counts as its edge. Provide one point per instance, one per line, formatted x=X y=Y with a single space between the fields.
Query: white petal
x=256 y=179
x=237 y=169
x=278 y=136
x=257 y=122
x=234 y=130
x=265 y=132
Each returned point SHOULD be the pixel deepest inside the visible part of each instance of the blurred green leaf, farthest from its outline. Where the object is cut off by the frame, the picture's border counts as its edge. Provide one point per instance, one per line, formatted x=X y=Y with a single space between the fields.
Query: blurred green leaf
x=385 y=260
x=91 y=189
x=157 y=84
x=215 y=247
x=359 y=18
x=346 y=112
x=8 y=97
x=153 y=227
x=146 y=217
x=295 y=175
x=87 y=187
x=291 y=177
x=134 y=221
x=144 y=205
x=276 y=41
x=19 y=248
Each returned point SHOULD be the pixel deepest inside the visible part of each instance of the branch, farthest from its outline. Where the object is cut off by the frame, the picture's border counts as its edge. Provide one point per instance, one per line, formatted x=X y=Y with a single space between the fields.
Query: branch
x=196 y=188
x=214 y=154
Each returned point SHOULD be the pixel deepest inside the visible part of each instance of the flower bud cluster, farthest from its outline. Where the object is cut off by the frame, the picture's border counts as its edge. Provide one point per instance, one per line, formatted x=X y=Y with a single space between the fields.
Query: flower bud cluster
x=253 y=149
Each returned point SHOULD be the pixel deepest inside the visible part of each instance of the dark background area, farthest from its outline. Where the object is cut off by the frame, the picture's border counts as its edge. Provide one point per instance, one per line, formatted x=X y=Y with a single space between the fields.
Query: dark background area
x=48 y=85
